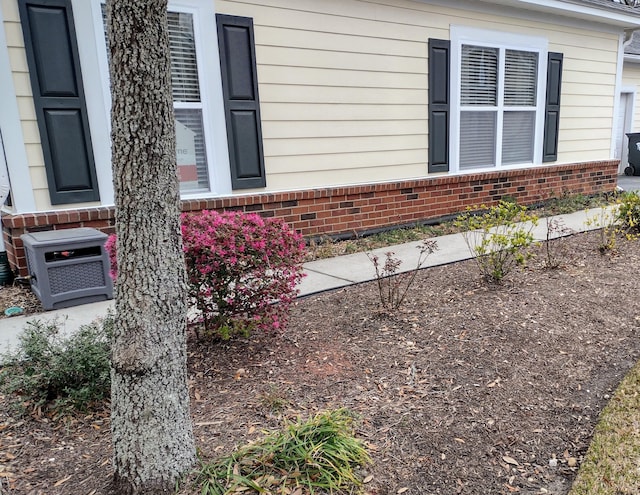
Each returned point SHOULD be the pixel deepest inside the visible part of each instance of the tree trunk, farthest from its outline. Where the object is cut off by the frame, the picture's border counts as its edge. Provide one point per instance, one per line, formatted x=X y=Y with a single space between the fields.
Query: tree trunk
x=151 y=425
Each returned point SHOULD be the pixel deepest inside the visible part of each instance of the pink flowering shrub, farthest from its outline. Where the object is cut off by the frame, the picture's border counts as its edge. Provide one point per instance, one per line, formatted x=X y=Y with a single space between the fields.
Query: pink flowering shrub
x=239 y=266
x=242 y=270
x=110 y=247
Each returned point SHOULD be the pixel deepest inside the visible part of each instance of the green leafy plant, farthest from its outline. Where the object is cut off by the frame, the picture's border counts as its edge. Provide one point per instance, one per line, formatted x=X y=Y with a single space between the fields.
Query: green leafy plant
x=498 y=237
x=318 y=455
x=392 y=286
x=628 y=214
x=48 y=369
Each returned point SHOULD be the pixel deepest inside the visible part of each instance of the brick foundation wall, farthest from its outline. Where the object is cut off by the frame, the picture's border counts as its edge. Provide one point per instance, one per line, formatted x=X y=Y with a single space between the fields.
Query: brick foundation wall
x=355 y=209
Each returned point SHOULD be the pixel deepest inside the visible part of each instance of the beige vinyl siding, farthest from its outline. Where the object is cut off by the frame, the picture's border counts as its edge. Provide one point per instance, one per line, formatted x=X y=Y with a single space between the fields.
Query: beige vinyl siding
x=631 y=77
x=39 y=178
x=26 y=109
x=344 y=92
x=344 y=86
x=22 y=86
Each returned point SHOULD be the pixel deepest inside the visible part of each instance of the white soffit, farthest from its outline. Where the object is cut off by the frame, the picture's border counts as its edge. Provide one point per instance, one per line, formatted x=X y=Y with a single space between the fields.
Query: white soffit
x=578 y=10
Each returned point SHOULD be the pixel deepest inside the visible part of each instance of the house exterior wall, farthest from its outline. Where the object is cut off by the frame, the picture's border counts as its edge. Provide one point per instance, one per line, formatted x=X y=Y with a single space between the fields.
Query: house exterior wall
x=343 y=86
x=22 y=85
x=20 y=79
x=344 y=101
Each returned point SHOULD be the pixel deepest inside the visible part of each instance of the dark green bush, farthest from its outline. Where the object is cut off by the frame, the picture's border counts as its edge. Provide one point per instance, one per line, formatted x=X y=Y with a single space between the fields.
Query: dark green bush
x=61 y=372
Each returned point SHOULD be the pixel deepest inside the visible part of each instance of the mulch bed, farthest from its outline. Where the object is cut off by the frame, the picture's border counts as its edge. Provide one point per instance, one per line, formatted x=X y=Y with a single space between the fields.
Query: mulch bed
x=468 y=389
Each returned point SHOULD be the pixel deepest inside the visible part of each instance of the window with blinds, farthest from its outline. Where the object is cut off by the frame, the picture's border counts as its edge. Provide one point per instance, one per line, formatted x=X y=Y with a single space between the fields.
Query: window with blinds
x=193 y=169
x=190 y=143
x=479 y=75
x=498 y=96
x=184 y=67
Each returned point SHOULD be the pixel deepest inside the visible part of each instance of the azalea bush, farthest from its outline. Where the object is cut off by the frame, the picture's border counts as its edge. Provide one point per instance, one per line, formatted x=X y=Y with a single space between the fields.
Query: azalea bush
x=242 y=270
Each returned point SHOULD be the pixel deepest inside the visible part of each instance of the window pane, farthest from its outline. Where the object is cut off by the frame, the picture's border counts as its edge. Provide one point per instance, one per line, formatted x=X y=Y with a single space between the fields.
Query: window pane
x=517 y=137
x=477 y=139
x=479 y=75
x=190 y=151
x=184 y=67
x=182 y=48
x=521 y=72
x=190 y=147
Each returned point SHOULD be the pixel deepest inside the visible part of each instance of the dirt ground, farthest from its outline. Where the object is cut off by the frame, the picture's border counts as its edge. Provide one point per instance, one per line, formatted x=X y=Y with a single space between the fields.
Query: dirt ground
x=468 y=389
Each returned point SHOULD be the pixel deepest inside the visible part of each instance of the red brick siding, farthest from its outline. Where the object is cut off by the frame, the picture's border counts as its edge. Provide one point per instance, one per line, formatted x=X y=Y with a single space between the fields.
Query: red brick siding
x=345 y=210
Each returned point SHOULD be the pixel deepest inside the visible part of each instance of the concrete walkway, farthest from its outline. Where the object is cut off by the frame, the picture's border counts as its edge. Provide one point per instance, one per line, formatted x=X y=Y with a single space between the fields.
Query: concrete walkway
x=321 y=275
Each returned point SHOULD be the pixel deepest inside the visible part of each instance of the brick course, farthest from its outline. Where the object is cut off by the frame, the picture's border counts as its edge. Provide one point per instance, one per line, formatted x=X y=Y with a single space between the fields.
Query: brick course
x=344 y=211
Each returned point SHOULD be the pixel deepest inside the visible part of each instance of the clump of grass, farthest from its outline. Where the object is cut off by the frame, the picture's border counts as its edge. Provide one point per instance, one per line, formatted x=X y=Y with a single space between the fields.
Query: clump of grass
x=326 y=247
x=48 y=370
x=611 y=464
x=570 y=203
x=402 y=235
x=318 y=454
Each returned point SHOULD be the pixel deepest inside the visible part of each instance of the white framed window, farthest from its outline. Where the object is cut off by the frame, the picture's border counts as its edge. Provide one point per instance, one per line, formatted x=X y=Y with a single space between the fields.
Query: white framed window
x=201 y=140
x=498 y=85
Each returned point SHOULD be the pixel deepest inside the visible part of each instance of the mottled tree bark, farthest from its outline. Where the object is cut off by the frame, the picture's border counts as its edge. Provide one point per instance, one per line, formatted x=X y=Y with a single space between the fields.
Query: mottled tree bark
x=151 y=426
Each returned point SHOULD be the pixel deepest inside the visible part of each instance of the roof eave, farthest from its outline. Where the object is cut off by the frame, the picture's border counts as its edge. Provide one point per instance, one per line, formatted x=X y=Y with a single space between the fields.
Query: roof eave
x=577 y=11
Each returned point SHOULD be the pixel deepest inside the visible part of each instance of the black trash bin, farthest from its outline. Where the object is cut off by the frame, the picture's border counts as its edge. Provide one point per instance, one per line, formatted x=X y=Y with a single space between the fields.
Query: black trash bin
x=633 y=167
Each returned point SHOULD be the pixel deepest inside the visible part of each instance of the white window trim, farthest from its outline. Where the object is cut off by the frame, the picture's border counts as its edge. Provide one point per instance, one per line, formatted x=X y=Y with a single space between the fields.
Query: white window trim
x=462 y=35
x=90 y=59
x=628 y=124
x=618 y=89
x=97 y=78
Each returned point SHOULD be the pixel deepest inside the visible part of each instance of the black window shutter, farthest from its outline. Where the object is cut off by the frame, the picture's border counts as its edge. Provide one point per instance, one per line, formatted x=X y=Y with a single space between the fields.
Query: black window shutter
x=552 y=107
x=439 y=102
x=241 y=102
x=58 y=95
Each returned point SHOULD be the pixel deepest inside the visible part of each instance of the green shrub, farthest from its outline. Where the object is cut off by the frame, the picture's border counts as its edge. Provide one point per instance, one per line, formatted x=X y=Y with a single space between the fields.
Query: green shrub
x=62 y=372
x=498 y=237
x=318 y=454
x=628 y=214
